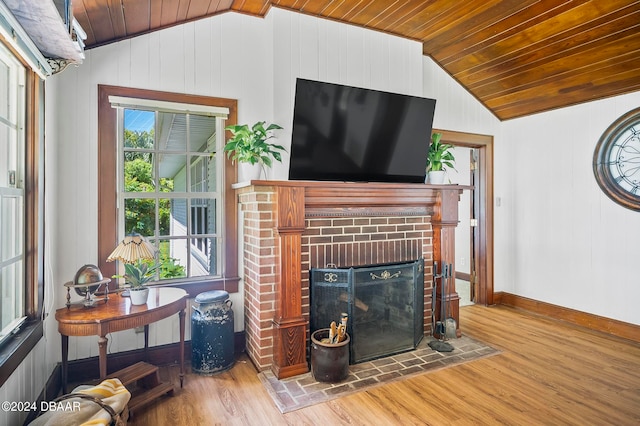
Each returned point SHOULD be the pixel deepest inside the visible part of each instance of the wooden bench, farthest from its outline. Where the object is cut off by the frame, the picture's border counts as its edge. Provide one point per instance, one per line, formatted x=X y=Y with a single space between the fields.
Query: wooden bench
x=143 y=381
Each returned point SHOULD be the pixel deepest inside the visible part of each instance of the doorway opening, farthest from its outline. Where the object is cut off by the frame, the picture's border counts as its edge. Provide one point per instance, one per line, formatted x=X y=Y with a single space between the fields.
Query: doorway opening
x=463 y=175
x=474 y=234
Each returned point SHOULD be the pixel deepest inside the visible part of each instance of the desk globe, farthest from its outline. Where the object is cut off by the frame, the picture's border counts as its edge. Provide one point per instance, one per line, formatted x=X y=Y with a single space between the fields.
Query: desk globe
x=86 y=283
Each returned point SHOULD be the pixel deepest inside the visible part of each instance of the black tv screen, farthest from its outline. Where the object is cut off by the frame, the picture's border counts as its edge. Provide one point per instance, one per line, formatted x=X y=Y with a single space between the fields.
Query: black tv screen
x=344 y=133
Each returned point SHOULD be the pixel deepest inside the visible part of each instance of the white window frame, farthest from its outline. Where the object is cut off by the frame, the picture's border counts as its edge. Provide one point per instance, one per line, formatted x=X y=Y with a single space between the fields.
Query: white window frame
x=220 y=114
x=12 y=187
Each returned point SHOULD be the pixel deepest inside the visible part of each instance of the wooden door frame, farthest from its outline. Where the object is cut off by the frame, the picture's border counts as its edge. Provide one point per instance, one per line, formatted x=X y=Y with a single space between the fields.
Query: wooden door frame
x=483 y=233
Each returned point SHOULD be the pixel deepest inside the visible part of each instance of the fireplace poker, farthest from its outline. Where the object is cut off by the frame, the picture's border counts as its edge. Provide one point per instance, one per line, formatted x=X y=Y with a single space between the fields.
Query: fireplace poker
x=449 y=322
x=440 y=328
x=433 y=297
x=443 y=296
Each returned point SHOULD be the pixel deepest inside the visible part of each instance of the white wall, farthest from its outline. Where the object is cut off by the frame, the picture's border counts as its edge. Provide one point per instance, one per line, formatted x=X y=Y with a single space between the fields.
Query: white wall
x=458 y=110
x=227 y=56
x=215 y=57
x=317 y=49
x=556 y=236
x=29 y=379
x=250 y=59
x=569 y=245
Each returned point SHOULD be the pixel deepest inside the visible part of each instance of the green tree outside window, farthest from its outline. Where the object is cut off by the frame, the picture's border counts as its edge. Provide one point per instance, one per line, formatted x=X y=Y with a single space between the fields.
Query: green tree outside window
x=140 y=212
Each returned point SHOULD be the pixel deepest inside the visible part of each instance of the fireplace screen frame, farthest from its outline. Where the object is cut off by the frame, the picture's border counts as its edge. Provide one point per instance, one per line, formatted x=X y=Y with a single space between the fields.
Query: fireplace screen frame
x=350 y=282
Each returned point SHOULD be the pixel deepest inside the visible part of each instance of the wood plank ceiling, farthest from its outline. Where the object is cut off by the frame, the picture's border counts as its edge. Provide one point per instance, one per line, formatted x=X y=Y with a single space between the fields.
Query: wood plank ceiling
x=517 y=57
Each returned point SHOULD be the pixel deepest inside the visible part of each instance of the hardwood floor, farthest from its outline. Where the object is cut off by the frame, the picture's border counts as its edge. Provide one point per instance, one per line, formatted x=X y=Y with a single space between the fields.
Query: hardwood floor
x=549 y=373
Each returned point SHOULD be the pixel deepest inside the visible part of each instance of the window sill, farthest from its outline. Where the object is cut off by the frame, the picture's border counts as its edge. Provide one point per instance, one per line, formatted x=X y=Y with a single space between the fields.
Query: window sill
x=229 y=284
x=16 y=349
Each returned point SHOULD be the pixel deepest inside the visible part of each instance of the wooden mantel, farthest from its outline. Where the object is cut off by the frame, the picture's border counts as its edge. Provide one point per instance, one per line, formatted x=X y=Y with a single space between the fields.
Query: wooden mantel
x=297 y=200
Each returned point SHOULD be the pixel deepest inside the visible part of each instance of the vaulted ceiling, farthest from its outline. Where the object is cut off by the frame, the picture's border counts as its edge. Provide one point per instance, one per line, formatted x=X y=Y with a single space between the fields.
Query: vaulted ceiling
x=517 y=57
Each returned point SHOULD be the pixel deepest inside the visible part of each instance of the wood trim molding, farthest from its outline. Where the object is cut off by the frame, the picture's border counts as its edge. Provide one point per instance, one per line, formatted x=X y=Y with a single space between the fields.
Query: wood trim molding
x=107 y=196
x=593 y=322
x=610 y=182
x=463 y=276
x=289 y=324
x=34 y=199
x=15 y=351
x=228 y=284
x=483 y=233
x=86 y=369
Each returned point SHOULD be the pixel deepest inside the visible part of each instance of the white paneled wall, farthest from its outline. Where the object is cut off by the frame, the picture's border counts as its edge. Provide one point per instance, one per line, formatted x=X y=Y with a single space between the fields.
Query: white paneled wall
x=250 y=59
x=311 y=48
x=557 y=238
x=227 y=56
x=24 y=385
x=570 y=244
x=215 y=57
x=457 y=110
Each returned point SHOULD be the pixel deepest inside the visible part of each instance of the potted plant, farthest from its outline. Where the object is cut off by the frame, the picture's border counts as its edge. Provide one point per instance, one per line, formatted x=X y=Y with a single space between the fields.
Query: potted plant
x=249 y=145
x=137 y=275
x=439 y=158
x=133 y=250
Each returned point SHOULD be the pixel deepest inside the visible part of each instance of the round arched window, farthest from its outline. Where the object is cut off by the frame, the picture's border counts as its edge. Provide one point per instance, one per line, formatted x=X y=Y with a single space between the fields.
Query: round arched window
x=616 y=161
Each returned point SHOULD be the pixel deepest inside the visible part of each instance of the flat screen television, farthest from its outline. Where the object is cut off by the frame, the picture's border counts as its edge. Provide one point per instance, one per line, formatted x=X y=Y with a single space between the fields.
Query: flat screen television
x=351 y=134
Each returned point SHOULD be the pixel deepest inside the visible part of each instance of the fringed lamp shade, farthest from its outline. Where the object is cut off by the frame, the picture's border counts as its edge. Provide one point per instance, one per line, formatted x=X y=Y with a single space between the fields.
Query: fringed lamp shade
x=133 y=248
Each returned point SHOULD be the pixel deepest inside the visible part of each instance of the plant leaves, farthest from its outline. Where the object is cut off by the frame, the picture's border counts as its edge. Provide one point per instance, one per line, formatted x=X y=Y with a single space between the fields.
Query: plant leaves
x=249 y=145
x=439 y=154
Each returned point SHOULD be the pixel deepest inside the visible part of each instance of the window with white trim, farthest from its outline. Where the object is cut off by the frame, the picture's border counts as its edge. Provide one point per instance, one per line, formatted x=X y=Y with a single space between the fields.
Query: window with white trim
x=12 y=193
x=170 y=181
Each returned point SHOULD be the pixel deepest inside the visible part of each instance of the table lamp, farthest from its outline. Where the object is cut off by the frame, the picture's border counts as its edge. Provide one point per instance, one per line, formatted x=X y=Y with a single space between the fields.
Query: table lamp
x=131 y=250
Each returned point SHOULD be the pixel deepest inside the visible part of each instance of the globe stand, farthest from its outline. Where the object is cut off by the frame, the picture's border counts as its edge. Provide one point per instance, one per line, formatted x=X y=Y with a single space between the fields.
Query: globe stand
x=87 y=291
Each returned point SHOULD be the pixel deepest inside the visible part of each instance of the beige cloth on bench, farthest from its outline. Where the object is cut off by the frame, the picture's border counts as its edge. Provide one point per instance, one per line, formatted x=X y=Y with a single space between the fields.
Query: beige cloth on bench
x=84 y=412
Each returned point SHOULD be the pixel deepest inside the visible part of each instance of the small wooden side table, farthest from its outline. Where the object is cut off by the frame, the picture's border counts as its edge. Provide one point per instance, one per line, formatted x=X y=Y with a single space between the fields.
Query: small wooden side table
x=117 y=314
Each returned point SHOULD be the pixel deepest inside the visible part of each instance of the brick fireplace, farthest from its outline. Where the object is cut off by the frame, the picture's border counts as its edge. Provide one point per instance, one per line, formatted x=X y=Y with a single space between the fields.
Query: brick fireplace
x=291 y=226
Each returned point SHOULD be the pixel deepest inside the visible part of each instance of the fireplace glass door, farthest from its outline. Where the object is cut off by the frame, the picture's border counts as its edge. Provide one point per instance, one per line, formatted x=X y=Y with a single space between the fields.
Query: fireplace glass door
x=384 y=304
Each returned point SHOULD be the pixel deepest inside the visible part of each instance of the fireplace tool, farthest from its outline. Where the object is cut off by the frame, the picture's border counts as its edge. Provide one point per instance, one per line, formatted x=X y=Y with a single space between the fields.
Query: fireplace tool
x=449 y=322
x=440 y=327
x=437 y=326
